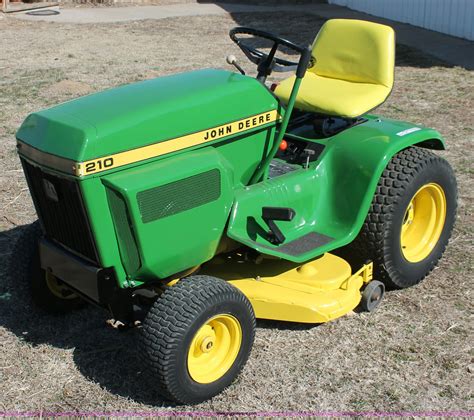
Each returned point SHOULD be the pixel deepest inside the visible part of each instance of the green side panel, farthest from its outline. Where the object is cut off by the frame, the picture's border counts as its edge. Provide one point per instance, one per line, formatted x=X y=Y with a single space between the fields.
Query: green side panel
x=245 y=152
x=127 y=244
x=174 y=227
x=143 y=113
x=332 y=197
x=102 y=225
x=178 y=196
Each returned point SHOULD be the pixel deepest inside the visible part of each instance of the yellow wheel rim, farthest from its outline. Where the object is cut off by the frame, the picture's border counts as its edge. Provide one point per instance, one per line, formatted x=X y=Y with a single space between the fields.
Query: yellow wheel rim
x=214 y=348
x=423 y=222
x=57 y=288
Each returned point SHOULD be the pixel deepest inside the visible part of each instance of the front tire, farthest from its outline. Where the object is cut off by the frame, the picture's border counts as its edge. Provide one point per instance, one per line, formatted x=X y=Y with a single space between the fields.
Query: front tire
x=196 y=338
x=410 y=219
x=47 y=292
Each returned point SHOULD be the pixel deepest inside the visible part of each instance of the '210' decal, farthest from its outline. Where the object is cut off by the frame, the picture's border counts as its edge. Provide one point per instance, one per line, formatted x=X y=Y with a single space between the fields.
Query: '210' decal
x=98 y=165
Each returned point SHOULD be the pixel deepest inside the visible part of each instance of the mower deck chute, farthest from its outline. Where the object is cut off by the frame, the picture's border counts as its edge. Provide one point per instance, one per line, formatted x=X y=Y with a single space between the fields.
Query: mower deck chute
x=315 y=292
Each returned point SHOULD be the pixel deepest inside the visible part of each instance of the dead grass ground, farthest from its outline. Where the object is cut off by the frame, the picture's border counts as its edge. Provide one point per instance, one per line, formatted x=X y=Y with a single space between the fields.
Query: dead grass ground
x=414 y=353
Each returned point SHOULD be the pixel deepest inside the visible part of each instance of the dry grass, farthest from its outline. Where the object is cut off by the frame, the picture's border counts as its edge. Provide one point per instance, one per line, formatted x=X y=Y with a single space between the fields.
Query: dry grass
x=414 y=353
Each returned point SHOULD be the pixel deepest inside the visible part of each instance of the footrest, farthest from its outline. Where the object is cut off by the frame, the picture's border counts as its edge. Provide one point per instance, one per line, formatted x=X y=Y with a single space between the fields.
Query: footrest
x=304 y=244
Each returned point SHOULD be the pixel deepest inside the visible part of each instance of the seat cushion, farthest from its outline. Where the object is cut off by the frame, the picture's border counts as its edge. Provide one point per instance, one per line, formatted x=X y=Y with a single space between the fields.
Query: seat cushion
x=333 y=96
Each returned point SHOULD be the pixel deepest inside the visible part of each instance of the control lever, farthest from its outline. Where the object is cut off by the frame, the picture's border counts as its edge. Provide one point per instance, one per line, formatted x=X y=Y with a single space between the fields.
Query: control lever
x=308 y=153
x=233 y=62
x=269 y=215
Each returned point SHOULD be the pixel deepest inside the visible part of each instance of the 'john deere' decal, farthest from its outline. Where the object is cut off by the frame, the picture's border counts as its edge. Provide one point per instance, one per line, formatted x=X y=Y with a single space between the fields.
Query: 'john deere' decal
x=157 y=149
x=238 y=126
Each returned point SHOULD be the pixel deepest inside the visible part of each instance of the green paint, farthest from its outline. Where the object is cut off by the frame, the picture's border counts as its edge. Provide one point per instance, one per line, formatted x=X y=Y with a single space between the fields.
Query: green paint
x=183 y=239
x=143 y=113
x=331 y=197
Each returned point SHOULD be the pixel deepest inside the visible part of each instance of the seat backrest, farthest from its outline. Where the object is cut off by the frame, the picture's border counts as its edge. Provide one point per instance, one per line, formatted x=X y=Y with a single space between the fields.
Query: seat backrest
x=356 y=51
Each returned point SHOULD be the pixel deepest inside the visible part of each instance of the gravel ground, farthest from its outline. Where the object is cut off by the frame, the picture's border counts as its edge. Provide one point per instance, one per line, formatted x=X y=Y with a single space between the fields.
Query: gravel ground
x=413 y=354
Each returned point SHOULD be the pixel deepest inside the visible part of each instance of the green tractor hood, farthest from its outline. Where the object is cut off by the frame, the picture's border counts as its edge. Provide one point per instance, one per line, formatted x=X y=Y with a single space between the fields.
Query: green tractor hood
x=144 y=113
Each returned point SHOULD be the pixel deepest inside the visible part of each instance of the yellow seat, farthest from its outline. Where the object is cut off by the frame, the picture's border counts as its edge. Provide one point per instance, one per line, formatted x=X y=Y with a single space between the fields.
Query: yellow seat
x=353 y=72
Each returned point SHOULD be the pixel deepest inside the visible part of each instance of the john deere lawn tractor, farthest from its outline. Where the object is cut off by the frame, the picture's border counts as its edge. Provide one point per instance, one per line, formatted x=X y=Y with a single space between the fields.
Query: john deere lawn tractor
x=192 y=204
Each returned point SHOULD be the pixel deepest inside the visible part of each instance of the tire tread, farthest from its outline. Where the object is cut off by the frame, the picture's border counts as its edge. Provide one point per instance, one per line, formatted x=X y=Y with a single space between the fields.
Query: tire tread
x=166 y=324
x=370 y=244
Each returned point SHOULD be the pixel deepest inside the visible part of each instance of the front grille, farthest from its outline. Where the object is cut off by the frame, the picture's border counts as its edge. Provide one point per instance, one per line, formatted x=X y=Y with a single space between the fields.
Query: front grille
x=59 y=205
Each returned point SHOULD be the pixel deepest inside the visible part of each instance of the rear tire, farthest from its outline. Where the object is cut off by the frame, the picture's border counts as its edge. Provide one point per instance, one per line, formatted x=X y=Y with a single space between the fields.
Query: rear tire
x=47 y=292
x=413 y=176
x=196 y=338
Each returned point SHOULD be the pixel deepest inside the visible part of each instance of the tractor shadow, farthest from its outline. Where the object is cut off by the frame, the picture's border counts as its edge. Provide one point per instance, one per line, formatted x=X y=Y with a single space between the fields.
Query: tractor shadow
x=102 y=355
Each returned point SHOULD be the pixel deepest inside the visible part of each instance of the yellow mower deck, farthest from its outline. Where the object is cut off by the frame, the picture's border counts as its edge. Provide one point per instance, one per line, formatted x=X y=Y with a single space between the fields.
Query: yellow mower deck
x=315 y=292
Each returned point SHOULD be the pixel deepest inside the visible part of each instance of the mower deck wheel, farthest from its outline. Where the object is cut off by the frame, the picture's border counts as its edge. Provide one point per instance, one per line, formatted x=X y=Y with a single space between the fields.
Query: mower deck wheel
x=372 y=296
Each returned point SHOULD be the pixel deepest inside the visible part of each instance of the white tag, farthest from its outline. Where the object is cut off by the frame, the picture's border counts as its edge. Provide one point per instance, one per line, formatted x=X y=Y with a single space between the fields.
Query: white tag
x=408 y=131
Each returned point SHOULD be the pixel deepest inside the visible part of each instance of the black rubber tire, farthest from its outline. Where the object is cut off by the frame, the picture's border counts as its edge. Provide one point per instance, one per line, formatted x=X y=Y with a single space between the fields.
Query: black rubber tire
x=372 y=296
x=379 y=239
x=171 y=324
x=25 y=265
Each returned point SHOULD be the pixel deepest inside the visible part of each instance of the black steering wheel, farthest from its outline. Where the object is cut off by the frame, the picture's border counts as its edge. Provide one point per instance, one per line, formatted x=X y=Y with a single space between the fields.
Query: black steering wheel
x=266 y=63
